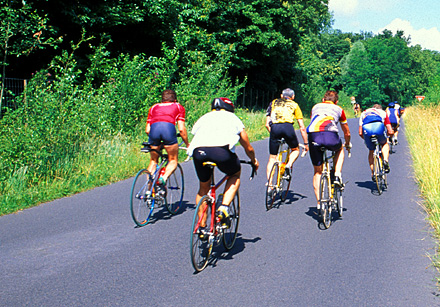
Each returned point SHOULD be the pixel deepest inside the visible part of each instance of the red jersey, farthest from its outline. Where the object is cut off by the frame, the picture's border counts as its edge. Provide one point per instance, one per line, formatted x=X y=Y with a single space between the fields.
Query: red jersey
x=169 y=112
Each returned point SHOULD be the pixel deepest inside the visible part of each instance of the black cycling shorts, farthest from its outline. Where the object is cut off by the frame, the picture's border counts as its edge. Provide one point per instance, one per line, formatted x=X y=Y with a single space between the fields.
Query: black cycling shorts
x=328 y=139
x=226 y=161
x=279 y=131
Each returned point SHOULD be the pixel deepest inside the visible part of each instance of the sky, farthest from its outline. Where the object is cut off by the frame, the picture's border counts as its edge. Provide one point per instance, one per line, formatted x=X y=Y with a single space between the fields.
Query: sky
x=419 y=19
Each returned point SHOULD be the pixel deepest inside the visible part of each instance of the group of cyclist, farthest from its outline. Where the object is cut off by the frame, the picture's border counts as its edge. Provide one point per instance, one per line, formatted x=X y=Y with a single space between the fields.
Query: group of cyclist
x=217 y=132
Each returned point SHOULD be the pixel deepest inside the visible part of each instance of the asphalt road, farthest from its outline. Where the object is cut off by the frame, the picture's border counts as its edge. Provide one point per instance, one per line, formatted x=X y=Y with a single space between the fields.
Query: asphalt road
x=85 y=250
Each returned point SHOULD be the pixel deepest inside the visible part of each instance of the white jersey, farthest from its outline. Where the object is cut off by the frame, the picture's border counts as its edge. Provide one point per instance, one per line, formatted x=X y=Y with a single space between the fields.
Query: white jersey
x=215 y=129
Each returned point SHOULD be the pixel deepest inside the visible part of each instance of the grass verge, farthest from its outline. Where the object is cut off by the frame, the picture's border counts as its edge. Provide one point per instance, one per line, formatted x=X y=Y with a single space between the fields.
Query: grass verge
x=422 y=131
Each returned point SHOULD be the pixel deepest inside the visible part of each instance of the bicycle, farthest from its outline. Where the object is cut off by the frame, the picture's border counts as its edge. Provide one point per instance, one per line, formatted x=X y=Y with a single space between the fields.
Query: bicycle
x=147 y=193
x=203 y=239
x=379 y=174
x=277 y=186
x=330 y=194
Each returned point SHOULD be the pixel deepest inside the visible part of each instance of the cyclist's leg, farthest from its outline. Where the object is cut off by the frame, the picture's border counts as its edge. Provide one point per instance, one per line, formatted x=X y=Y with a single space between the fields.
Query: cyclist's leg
x=203 y=190
x=288 y=133
x=317 y=172
x=231 y=187
x=173 y=151
x=273 y=148
x=371 y=161
x=203 y=174
x=272 y=159
x=154 y=158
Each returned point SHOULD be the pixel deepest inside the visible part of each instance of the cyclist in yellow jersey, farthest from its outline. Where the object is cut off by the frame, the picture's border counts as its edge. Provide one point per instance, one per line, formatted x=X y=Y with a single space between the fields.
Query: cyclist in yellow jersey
x=280 y=116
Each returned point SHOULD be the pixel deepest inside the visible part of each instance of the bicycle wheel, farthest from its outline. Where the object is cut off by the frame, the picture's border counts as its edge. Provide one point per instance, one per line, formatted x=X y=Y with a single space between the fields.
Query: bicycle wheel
x=324 y=200
x=377 y=173
x=141 y=205
x=339 y=201
x=175 y=190
x=230 y=234
x=201 y=247
x=272 y=187
x=284 y=186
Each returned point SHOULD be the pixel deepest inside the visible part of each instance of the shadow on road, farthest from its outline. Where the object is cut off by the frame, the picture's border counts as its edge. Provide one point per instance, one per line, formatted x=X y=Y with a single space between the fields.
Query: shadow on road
x=162 y=213
x=220 y=253
x=368 y=185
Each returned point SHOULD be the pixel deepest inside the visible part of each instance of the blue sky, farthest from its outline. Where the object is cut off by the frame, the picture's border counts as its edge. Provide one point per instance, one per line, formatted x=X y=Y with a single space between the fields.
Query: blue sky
x=419 y=19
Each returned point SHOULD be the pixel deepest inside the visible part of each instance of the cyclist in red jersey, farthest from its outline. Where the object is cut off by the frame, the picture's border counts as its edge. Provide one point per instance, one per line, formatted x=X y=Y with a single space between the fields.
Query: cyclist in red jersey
x=161 y=129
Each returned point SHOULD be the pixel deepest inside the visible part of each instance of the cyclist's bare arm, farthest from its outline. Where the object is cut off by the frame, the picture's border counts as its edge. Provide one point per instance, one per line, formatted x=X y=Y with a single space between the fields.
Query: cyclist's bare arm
x=390 y=129
x=361 y=133
x=346 y=131
x=182 y=130
x=147 y=129
x=267 y=123
x=303 y=131
x=250 y=152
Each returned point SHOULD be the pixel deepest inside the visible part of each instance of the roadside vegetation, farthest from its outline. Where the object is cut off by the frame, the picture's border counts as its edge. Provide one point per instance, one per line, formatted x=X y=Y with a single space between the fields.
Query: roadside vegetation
x=422 y=130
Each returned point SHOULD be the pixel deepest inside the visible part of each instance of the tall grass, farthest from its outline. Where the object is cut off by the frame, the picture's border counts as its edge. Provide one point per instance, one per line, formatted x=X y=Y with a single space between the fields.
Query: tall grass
x=422 y=125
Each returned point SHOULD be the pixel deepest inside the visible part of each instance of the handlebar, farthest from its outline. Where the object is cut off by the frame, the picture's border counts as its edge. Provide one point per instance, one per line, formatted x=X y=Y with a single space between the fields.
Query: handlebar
x=254 y=171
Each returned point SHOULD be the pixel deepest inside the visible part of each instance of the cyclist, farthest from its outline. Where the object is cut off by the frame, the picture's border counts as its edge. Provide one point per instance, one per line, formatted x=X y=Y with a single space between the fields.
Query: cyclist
x=161 y=129
x=393 y=112
x=323 y=131
x=375 y=121
x=280 y=116
x=215 y=136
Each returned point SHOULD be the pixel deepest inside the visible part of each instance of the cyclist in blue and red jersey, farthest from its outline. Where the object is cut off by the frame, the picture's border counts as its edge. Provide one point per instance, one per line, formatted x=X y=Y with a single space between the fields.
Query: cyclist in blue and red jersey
x=161 y=129
x=375 y=121
x=323 y=131
x=394 y=116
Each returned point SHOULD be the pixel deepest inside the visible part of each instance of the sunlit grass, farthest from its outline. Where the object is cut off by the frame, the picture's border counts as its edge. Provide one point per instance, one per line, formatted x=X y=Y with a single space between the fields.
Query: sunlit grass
x=422 y=126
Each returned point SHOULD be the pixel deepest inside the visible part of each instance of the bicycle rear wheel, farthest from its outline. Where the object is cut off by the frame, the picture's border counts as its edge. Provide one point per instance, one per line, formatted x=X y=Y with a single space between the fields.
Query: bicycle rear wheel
x=339 y=201
x=272 y=187
x=324 y=200
x=284 y=186
x=377 y=170
x=141 y=204
x=230 y=234
x=175 y=190
x=201 y=244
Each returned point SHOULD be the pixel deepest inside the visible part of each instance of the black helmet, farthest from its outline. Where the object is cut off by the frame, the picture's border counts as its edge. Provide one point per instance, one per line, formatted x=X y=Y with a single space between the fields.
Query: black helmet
x=222 y=103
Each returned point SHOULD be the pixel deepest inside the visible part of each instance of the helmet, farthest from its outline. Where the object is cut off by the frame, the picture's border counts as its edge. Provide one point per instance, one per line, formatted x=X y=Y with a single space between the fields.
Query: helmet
x=222 y=103
x=391 y=104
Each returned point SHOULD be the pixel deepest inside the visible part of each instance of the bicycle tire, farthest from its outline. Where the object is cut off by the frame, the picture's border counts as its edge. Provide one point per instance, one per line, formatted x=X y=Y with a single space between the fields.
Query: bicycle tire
x=324 y=200
x=141 y=205
x=201 y=248
x=272 y=187
x=175 y=190
x=284 y=187
x=377 y=173
x=339 y=201
x=230 y=234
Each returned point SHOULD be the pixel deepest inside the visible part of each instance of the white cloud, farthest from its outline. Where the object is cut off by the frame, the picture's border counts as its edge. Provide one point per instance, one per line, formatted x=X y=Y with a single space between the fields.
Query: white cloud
x=343 y=7
x=427 y=38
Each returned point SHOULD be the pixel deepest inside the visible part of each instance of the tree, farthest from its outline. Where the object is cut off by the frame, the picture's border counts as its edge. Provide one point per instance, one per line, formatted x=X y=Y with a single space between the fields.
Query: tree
x=23 y=30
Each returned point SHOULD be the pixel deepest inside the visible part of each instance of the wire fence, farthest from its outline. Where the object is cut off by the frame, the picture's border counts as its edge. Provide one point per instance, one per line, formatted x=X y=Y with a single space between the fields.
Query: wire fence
x=254 y=98
x=13 y=87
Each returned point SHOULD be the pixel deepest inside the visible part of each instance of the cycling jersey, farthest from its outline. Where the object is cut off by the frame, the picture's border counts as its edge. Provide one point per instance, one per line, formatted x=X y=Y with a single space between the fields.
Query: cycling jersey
x=283 y=111
x=393 y=115
x=325 y=117
x=169 y=112
x=216 y=129
x=372 y=115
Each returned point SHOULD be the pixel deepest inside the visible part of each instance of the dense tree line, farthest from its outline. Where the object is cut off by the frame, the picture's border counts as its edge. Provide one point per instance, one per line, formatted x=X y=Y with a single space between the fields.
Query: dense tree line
x=270 y=44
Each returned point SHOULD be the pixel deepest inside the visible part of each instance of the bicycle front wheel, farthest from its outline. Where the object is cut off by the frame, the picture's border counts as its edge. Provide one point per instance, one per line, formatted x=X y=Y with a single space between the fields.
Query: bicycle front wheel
x=201 y=237
x=141 y=204
x=272 y=187
x=324 y=200
x=175 y=190
x=377 y=170
x=230 y=234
